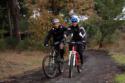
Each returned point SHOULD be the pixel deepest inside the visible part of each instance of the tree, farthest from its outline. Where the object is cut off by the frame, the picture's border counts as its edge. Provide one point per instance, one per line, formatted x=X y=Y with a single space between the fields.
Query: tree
x=3 y=18
x=14 y=9
x=11 y=19
x=108 y=10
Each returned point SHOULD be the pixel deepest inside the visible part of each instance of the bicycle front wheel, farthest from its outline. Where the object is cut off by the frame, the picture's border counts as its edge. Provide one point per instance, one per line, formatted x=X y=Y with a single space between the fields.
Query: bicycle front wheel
x=71 y=66
x=49 y=66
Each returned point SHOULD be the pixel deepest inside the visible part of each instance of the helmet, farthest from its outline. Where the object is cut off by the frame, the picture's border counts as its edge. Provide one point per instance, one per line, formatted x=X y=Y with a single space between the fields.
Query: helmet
x=74 y=18
x=55 y=20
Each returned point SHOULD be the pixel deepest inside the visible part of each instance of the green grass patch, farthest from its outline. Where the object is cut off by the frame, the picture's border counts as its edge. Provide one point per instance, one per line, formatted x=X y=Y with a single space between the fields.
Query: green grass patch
x=119 y=58
x=120 y=78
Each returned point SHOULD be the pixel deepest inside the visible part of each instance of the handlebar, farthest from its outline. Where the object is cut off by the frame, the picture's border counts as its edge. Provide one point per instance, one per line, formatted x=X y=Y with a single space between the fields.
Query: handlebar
x=74 y=43
x=54 y=44
x=71 y=43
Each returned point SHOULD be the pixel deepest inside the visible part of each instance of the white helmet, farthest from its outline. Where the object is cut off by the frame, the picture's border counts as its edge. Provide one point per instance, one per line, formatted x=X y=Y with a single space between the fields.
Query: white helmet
x=75 y=16
x=55 y=20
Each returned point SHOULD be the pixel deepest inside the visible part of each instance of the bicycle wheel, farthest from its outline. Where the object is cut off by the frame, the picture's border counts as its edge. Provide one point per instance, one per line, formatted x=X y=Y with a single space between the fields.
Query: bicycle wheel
x=71 y=66
x=49 y=66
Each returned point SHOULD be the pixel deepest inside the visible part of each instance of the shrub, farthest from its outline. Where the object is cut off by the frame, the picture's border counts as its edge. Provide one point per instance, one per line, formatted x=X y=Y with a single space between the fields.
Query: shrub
x=11 y=42
x=23 y=44
x=2 y=44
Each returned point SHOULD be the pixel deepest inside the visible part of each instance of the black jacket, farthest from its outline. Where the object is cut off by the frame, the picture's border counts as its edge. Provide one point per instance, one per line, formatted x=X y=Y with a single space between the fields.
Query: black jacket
x=79 y=33
x=57 y=34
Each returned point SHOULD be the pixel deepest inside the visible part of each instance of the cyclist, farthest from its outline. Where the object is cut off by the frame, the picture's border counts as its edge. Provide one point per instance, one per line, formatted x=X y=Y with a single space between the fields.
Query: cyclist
x=57 y=34
x=78 y=35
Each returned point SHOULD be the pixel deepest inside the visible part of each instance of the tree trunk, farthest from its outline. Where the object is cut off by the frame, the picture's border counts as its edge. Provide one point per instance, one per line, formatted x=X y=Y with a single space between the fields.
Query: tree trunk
x=74 y=5
x=15 y=17
x=101 y=40
x=53 y=6
x=10 y=21
x=100 y=43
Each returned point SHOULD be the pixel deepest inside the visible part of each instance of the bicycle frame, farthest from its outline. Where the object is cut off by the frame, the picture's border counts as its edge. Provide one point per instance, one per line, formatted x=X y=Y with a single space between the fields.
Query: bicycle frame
x=75 y=54
x=54 y=52
x=53 y=55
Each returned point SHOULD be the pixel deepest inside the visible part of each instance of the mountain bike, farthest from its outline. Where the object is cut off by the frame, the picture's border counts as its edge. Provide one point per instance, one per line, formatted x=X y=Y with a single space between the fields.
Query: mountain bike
x=52 y=63
x=74 y=58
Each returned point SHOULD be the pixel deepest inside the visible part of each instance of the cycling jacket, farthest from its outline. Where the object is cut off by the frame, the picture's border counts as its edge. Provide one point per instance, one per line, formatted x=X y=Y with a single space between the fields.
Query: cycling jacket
x=79 y=33
x=57 y=34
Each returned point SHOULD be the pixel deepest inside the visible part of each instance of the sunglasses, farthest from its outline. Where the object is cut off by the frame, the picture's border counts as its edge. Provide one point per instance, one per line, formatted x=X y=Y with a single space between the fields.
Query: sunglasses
x=74 y=21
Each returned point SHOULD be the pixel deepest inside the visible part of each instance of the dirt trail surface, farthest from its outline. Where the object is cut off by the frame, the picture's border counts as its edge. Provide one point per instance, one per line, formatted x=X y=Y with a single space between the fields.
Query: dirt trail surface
x=99 y=68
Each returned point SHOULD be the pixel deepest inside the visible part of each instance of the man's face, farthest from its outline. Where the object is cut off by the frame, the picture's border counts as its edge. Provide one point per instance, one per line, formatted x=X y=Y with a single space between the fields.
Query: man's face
x=56 y=25
x=74 y=24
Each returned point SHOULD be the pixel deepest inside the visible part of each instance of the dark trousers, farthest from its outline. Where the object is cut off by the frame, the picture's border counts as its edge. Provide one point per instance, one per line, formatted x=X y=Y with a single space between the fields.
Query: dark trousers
x=60 y=51
x=80 y=49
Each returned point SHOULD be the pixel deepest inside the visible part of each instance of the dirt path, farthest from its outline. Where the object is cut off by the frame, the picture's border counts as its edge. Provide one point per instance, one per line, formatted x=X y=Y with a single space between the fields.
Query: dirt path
x=99 y=68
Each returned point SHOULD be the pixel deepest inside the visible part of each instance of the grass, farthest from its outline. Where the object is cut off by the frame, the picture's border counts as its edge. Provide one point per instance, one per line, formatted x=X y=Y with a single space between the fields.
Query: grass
x=119 y=59
x=15 y=63
x=120 y=78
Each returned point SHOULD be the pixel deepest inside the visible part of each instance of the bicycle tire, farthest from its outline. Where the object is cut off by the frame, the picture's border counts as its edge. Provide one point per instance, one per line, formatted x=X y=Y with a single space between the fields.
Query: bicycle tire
x=46 y=73
x=71 y=66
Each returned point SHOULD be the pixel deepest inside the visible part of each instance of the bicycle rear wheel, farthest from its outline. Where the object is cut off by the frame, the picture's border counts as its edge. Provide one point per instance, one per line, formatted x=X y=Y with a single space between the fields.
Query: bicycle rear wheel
x=49 y=66
x=71 y=66
x=61 y=67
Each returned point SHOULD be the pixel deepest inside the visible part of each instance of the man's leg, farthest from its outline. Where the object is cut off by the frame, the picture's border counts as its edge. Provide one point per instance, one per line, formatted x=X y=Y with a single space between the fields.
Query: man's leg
x=62 y=53
x=80 y=50
x=56 y=47
x=61 y=50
